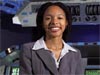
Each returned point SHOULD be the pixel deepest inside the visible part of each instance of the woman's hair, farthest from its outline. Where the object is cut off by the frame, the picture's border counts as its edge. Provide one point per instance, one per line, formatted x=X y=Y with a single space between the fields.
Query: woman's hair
x=40 y=14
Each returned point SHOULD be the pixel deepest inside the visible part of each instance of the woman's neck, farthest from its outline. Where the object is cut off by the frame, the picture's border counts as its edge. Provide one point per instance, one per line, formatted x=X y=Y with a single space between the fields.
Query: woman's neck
x=54 y=43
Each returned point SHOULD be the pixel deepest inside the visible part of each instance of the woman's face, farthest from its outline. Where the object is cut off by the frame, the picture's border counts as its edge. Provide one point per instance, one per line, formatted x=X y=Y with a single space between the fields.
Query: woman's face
x=54 y=21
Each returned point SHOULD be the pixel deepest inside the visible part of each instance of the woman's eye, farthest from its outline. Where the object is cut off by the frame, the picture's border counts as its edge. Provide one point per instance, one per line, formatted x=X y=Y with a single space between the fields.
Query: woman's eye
x=47 y=18
x=60 y=18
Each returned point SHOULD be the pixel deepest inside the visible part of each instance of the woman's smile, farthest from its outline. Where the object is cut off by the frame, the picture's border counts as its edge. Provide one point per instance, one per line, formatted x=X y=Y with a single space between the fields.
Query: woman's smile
x=54 y=28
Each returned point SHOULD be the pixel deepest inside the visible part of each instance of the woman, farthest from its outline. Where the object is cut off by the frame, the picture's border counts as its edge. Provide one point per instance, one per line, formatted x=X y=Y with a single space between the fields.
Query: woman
x=50 y=55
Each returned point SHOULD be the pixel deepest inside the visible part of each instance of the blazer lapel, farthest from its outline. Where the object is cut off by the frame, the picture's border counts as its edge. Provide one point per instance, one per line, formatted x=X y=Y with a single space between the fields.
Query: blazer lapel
x=48 y=60
x=65 y=64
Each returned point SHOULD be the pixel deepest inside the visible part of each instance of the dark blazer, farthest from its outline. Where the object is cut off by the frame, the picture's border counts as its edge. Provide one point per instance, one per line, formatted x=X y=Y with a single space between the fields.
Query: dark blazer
x=40 y=62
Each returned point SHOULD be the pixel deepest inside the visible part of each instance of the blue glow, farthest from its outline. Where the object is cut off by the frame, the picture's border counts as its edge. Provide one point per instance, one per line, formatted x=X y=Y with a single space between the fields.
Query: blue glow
x=70 y=43
x=80 y=43
x=83 y=43
x=98 y=43
x=11 y=6
x=90 y=43
x=2 y=54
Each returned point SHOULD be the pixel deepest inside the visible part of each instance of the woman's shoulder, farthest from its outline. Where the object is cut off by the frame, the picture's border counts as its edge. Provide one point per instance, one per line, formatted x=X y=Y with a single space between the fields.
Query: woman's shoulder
x=77 y=50
x=26 y=48
x=28 y=45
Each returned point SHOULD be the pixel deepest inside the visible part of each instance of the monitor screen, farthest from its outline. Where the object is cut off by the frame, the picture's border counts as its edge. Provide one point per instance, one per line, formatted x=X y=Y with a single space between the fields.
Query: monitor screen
x=92 y=72
x=14 y=70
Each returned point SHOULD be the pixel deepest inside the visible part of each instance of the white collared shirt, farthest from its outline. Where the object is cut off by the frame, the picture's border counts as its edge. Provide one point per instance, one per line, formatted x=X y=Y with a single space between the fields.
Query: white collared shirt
x=41 y=44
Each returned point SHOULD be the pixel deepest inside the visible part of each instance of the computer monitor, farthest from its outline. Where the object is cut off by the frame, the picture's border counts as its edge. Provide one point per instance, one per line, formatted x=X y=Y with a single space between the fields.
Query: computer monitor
x=92 y=70
x=14 y=70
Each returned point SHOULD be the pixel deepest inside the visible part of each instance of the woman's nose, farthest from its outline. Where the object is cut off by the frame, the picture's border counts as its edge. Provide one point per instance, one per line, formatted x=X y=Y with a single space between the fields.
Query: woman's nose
x=54 y=21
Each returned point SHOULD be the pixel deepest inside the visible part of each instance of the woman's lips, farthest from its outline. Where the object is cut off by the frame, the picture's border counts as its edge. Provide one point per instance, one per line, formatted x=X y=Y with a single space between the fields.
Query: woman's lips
x=54 y=29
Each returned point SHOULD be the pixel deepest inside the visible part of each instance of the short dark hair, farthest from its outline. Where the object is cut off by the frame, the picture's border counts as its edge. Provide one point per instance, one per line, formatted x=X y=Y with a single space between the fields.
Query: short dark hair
x=40 y=14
